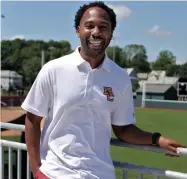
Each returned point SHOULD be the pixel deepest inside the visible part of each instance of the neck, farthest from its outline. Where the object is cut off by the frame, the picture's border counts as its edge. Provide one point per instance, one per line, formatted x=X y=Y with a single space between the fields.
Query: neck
x=94 y=61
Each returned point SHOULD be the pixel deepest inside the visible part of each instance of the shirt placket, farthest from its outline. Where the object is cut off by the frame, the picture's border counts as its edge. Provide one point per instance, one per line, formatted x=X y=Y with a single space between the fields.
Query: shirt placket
x=88 y=85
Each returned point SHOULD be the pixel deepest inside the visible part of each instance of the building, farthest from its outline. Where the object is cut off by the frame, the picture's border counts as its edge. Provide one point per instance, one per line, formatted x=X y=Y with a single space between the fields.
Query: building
x=157 y=77
x=158 y=91
x=10 y=79
x=142 y=76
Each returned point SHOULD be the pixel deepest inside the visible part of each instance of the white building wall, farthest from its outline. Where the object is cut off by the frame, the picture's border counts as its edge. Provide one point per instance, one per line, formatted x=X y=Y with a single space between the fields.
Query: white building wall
x=10 y=78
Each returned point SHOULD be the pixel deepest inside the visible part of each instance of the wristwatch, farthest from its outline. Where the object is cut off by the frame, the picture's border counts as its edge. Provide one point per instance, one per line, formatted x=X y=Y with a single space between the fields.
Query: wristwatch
x=155 y=137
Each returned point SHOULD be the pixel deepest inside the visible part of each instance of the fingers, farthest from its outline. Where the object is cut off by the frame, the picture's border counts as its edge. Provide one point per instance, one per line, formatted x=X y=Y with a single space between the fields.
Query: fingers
x=172 y=155
x=175 y=153
x=172 y=149
x=176 y=144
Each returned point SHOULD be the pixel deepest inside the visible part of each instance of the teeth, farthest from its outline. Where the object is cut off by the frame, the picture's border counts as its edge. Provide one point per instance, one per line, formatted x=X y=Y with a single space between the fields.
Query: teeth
x=95 y=42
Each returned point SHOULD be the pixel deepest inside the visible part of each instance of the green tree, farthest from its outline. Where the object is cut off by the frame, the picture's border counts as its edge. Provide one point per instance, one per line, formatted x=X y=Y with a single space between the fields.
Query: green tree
x=172 y=70
x=183 y=69
x=31 y=68
x=115 y=53
x=164 y=61
x=136 y=57
x=24 y=56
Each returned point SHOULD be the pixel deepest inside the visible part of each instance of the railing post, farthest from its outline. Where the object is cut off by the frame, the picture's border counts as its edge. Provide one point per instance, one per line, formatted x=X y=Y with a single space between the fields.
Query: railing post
x=2 y=162
x=140 y=175
x=156 y=177
x=10 y=163
x=125 y=174
x=19 y=164
x=28 y=168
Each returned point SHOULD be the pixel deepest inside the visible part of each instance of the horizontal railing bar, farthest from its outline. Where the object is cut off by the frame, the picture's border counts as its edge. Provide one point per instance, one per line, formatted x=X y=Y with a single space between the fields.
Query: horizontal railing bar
x=117 y=142
x=176 y=175
x=114 y=141
x=19 y=127
x=183 y=151
x=149 y=170
x=12 y=144
x=144 y=169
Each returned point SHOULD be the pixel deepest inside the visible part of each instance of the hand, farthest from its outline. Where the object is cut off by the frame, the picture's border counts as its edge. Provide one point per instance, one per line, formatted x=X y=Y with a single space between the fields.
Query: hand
x=39 y=175
x=170 y=145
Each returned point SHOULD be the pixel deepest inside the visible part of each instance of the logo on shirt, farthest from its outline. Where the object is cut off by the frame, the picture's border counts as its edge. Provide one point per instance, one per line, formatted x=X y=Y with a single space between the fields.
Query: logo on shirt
x=108 y=92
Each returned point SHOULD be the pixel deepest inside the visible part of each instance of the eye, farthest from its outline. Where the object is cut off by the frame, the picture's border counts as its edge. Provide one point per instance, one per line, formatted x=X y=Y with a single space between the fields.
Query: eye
x=103 y=27
x=88 y=26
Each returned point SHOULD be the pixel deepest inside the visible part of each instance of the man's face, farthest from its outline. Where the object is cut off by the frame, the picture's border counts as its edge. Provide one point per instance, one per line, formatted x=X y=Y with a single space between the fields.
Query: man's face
x=95 y=31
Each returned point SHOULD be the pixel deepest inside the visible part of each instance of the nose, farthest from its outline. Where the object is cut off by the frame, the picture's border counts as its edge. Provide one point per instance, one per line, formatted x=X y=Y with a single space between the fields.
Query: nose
x=96 y=31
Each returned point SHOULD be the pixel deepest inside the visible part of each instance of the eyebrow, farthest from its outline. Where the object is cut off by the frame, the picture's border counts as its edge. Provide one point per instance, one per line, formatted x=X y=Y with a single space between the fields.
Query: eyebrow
x=89 y=22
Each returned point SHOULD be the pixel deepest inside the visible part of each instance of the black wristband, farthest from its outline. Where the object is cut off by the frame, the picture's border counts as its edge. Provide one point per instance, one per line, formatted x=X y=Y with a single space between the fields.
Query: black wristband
x=155 y=137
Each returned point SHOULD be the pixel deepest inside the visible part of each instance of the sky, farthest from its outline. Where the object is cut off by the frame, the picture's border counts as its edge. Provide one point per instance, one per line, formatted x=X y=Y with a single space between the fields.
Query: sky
x=156 y=25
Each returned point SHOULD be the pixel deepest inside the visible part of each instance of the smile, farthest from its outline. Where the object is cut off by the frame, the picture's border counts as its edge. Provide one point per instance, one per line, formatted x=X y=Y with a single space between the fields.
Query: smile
x=95 y=43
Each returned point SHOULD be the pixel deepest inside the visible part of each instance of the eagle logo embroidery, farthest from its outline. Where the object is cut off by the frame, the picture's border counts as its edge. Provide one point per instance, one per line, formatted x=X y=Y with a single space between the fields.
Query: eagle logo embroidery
x=108 y=92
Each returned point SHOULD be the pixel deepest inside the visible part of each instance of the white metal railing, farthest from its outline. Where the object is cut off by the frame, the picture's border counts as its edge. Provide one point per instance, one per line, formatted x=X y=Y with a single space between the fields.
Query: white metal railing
x=13 y=145
x=124 y=166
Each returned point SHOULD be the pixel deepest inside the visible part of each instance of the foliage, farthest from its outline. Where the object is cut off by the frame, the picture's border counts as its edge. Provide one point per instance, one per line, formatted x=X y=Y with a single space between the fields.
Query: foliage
x=24 y=57
x=164 y=59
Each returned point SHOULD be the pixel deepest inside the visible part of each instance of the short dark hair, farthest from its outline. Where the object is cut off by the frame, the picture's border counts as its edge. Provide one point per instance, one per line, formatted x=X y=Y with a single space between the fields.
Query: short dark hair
x=100 y=4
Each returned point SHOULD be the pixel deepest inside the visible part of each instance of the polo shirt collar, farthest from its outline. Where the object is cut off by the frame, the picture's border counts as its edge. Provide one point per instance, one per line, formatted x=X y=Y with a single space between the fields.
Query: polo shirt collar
x=79 y=60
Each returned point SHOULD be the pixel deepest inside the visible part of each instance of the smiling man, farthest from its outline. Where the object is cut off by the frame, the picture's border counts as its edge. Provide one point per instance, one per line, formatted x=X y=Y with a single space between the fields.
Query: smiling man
x=81 y=97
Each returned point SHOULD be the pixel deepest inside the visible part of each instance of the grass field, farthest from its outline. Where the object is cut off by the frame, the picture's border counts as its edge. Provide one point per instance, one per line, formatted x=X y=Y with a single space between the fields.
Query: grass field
x=170 y=123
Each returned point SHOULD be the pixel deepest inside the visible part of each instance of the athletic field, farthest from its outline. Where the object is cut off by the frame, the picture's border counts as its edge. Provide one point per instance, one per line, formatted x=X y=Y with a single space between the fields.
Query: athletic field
x=170 y=123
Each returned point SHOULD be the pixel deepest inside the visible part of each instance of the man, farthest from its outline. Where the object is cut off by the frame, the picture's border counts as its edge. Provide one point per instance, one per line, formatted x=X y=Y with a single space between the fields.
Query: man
x=81 y=96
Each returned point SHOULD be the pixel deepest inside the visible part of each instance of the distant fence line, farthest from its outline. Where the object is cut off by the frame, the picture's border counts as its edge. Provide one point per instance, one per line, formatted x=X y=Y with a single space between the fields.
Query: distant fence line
x=12 y=100
x=165 y=104
x=152 y=103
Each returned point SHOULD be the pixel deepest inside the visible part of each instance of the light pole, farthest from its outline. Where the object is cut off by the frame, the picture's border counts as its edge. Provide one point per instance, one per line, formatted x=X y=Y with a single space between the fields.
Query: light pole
x=42 y=58
x=114 y=49
x=9 y=74
x=43 y=55
x=51 y=51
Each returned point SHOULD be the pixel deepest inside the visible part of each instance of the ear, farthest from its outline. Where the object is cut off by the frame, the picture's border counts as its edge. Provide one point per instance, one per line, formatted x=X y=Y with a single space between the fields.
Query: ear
x=78 y=31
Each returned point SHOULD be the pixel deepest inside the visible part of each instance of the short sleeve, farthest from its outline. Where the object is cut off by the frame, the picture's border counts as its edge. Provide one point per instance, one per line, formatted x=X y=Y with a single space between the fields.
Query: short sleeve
x=40 y=95
x=124 y=113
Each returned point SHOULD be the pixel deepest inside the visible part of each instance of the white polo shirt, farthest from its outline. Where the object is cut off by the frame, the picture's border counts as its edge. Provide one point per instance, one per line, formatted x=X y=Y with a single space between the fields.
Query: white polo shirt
x=79 y=105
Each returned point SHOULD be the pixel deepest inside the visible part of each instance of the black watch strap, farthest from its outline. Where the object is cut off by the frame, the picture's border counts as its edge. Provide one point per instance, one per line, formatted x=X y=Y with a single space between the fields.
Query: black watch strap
x=155 y=137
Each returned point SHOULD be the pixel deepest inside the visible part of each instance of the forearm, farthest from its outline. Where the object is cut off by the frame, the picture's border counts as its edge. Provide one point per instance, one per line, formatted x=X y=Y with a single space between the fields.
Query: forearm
x=32 y=136
x=134 y=135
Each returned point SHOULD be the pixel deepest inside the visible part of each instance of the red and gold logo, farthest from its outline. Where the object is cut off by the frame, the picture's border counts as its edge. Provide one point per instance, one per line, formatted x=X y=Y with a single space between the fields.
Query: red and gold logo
x=108 y=92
